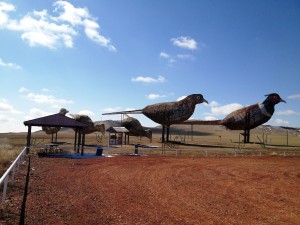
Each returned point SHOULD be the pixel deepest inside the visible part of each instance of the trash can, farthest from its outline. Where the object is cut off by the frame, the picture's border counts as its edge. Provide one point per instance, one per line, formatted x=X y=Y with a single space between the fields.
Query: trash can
x=136 y=149
x=99 y=151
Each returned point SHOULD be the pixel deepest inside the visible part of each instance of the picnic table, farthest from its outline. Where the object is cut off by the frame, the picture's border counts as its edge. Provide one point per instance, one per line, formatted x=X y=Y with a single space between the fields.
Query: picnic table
x=50 y=148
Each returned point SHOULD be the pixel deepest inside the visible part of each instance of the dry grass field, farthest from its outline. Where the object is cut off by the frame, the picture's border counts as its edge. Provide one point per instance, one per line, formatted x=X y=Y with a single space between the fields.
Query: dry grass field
x=195 y=180
x=202 y=141
x=208 y=136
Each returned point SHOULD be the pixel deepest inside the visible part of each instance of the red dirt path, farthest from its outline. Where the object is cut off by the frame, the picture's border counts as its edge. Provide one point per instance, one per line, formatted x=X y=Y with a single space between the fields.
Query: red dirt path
x=164 y=190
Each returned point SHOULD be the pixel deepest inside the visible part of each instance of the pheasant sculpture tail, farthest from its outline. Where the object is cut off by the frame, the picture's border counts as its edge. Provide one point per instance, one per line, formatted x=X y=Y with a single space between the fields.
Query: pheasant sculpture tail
x=137 y=111
x=204 y=122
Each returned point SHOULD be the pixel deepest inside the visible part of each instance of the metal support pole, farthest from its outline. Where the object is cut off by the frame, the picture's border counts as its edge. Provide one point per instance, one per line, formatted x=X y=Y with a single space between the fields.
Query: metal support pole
x=28 y=139
x=163 y=134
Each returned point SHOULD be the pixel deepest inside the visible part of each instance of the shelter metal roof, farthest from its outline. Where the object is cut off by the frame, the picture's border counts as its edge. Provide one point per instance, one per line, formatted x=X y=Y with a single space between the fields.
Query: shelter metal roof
x=117 y=130
x=55 y=120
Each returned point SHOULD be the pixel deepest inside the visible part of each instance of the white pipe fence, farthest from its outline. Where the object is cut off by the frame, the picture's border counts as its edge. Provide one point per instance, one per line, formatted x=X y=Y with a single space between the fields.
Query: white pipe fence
x=5 y=178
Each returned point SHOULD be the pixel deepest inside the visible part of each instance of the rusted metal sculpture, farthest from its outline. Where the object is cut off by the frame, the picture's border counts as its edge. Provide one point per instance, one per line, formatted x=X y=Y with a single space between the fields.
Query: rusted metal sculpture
x=135 y=128
x=246 y=118
x=54 y=130
x=168 y=113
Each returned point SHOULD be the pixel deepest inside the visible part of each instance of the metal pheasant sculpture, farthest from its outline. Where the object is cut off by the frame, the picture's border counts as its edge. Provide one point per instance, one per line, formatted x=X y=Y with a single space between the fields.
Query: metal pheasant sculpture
x=246 y=118
x=54 y=130
x=92 y=127
x=135 y=128
x=168 y=113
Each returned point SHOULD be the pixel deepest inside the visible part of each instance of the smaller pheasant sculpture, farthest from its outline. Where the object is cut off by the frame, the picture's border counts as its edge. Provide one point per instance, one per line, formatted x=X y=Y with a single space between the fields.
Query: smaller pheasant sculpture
x=54 y=130
x=135 y=128
x=246 y=118
x=92 y=127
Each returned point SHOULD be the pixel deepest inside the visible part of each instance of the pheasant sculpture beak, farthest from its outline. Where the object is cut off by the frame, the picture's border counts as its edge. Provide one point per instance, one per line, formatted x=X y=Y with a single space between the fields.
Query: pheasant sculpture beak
x=282 y=101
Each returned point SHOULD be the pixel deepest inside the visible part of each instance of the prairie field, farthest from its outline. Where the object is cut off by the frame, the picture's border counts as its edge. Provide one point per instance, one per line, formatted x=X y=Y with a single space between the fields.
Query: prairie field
x=214 y=141
x=196 y=179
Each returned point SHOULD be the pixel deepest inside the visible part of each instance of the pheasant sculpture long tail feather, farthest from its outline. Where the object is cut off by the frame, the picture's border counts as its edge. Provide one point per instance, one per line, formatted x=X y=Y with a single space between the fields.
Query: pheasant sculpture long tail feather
x=138 y=111
x=203 y=122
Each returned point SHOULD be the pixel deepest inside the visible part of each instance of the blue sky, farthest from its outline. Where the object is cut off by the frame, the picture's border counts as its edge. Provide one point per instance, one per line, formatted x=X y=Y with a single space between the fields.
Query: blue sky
x=93 y=57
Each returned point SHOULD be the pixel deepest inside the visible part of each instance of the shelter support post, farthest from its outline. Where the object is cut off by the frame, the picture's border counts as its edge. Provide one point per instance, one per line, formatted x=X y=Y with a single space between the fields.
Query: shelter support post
x=75 y=140
x=79 y=141
x=83 y=143
x=28 y=139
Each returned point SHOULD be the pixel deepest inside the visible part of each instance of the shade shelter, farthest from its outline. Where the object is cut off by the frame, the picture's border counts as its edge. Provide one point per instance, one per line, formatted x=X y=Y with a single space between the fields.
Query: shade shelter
x=118 y=135
x=59 y=120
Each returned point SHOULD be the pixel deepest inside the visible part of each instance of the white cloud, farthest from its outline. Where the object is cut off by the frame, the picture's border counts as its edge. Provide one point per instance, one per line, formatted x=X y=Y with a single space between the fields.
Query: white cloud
x=47 y=99
x=4 y=9
x=5 y=107
x=225 y=109
x=9 y=64
x=142 y=79
x=180 y=98
x=281 y=122
x=92 y=33
x=5 y=119
x=36 y=113
x=10 y=124
x=164 y=55
x=297 y=96
x=112 y=109
x=184 y=42
x=186 y=56
x=213 y=104
x=39 y=28
x=86 y=112
x=155 y=96
x=172 y=59
x=217 y=110
x=23 y=89
x=210 y=118
x=287 y=112
x=45 y=90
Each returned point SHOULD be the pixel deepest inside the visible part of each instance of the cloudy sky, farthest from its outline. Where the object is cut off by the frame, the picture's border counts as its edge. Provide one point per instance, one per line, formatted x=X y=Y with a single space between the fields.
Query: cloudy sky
x=97 y=56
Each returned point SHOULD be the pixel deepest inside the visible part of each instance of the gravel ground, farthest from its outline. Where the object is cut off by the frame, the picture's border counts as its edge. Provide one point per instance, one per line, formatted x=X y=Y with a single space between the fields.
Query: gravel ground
x=158 y=190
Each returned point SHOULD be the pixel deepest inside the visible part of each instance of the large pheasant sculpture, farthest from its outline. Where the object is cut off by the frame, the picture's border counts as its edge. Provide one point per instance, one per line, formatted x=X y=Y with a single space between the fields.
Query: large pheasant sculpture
x=246 y=118
x=168 y=113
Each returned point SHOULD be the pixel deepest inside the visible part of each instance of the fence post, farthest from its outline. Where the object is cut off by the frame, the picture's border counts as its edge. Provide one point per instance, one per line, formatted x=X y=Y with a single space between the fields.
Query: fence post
x=13 y=176
x=4 y=190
